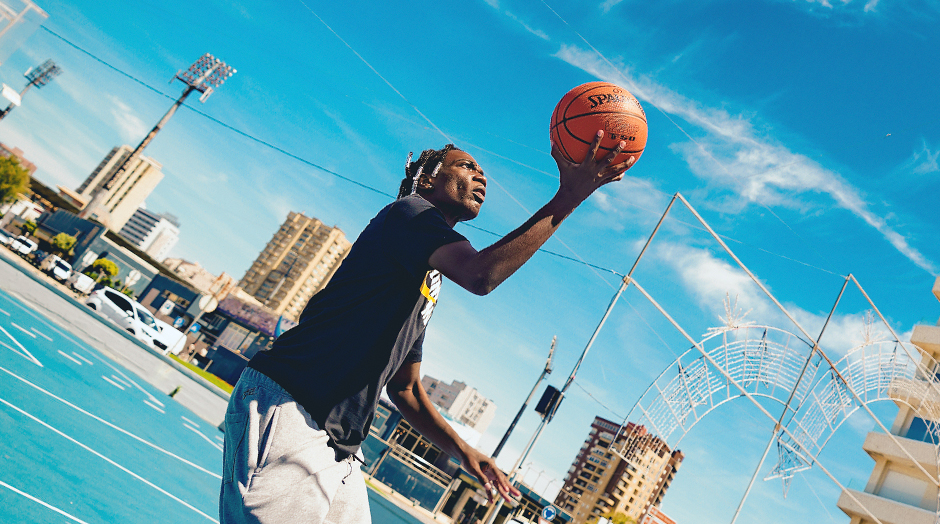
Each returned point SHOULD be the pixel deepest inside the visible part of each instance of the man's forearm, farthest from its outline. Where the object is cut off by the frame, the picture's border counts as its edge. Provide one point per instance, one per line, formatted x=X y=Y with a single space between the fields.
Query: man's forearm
x=420 y=413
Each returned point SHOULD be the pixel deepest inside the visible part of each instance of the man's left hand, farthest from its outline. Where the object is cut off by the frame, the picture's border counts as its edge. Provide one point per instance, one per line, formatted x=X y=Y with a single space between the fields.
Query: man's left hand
x=494 y=482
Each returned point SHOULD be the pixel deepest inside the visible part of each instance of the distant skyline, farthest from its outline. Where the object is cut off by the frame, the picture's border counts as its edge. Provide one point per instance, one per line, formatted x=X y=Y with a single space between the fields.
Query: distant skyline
x=805 y=133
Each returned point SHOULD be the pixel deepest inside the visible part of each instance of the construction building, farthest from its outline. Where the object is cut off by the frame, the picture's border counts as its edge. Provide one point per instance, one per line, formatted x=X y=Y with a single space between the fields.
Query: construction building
x=298 y=261
x=463 y=404
x=601 y=484
x=897 y=491
x=127 y=194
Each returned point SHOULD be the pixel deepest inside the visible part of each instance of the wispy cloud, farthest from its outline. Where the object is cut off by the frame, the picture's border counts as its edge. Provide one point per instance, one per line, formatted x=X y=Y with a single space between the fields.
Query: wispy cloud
x=515 y=18
x=924 y=161
x=130 y=126
x=733 y=155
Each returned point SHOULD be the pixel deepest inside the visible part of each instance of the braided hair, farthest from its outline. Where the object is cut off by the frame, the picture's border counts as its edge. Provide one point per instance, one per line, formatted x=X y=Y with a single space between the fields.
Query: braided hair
x=430 y=160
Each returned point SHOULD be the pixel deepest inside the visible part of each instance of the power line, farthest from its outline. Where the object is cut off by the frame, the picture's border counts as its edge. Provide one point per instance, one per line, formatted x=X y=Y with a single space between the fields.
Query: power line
x=367 y=187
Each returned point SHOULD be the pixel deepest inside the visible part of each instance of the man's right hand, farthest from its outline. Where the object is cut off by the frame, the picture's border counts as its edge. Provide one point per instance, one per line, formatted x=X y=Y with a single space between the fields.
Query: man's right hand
x=579 y=181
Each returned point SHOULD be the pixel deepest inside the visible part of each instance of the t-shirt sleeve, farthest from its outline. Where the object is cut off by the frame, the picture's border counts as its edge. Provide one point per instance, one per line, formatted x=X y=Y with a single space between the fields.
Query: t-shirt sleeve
x=413 y=230
x=416 y=352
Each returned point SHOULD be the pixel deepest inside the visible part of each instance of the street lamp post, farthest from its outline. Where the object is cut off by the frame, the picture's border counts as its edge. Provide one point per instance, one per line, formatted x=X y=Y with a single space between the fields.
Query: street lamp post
x=205 y=75
x=38 y=76
x=546 y=371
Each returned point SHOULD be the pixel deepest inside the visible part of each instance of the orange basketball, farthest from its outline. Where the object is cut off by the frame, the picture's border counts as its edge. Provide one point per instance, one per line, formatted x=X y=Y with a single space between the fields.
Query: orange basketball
x=593 y=106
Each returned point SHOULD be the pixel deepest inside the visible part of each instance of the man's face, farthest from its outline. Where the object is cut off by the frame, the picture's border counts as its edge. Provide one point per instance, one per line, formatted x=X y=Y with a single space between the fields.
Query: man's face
x=459 y=187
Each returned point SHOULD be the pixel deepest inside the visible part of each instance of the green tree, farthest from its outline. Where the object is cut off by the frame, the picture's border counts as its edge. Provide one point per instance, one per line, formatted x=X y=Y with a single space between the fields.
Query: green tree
x=14 y=179
x=103 y=271
x=63 y=243
x=28 y=227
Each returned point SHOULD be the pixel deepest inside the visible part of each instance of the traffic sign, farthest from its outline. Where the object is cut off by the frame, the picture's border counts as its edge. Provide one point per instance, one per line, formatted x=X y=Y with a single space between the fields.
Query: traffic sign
x=549 y=512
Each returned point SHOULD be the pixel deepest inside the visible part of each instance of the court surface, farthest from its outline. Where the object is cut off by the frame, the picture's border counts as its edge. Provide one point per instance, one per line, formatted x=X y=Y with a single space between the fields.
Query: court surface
x=86 y=441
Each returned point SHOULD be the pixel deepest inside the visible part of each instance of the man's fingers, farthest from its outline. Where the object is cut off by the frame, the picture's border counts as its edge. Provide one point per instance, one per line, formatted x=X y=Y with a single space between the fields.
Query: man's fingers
x=594 y=145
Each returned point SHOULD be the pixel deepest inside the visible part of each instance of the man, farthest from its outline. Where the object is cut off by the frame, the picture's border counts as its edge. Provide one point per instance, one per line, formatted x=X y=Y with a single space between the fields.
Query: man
x=300 y=411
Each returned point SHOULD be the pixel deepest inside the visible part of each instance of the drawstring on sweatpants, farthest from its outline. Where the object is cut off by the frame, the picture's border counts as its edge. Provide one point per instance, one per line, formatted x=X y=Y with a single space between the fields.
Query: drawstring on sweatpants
x=348 y=465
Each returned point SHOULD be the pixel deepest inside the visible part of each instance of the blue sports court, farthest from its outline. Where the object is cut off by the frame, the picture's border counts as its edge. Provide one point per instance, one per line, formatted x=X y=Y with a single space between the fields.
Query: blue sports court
x=86 y=441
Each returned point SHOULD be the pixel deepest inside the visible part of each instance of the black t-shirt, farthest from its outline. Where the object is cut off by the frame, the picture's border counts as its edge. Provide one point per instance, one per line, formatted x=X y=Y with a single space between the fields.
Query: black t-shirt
x=355 y=333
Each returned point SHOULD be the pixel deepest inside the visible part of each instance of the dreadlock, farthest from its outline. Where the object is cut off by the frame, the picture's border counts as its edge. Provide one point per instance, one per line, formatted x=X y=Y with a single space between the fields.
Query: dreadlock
x=429 y=162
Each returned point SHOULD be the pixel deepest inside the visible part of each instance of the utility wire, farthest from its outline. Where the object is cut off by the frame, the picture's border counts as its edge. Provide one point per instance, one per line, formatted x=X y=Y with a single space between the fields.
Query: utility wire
x=367 y=187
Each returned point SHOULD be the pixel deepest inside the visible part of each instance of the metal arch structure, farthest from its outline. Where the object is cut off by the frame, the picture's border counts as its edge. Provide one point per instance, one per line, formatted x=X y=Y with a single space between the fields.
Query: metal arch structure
x=767 y=362
x=819 y=397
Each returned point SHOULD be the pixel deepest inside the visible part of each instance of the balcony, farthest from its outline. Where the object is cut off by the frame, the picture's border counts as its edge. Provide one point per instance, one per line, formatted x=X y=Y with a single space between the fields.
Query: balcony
x=927 y=338
x=879 y=445
x=887 y=510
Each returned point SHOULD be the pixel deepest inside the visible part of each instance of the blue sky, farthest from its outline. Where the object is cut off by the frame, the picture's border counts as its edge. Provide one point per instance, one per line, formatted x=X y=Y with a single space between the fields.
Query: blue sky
x=804 y=132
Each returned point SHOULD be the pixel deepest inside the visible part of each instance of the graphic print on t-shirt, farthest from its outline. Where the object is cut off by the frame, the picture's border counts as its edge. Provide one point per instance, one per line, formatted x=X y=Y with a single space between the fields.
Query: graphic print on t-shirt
x=430 y=288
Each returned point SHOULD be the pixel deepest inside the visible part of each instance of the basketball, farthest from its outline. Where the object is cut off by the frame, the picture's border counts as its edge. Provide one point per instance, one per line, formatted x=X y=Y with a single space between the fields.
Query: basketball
x=593 y=106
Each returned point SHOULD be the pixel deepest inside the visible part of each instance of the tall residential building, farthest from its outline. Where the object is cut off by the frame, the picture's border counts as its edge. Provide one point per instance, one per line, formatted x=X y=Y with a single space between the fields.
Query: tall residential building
x=463 y=404
x=298 y=261
x=154 y=233
x=599 y=482
x=897 y=491
x=128 y=193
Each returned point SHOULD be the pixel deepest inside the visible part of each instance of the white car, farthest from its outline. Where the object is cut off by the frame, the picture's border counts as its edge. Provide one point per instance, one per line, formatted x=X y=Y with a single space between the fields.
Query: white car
x=23 y=245
x=169 y=339
x=125 y=312
x=82 y=283
x=58 y=268
x=5 y=237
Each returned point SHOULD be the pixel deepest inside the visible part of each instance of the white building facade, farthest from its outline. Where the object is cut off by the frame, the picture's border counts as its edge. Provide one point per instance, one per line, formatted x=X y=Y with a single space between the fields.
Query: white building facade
x=128 y=193
x=153 y=233
x=461 y=403
x=898 y=492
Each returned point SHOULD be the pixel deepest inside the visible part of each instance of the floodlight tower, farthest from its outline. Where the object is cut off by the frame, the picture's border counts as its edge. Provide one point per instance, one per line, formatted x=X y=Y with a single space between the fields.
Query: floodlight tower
x=37 y=76
x=205 y=75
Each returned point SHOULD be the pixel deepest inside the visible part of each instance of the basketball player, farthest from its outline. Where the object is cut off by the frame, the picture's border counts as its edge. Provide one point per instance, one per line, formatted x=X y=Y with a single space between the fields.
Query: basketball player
x=300 y=411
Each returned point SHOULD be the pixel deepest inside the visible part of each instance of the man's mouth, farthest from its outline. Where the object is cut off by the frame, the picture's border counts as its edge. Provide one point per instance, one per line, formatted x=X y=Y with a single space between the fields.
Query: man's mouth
x=479 y=194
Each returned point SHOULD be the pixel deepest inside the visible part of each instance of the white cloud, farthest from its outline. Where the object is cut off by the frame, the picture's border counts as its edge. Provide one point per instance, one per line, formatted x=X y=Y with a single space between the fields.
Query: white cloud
x=537 y=32
x=130 y=126
x=925 y=161
x=731 y=153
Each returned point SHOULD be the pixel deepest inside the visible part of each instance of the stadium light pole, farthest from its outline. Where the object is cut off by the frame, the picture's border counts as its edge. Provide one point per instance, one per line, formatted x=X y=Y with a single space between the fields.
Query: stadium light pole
x=546 y=371
x=38 y=76
x=205 y=75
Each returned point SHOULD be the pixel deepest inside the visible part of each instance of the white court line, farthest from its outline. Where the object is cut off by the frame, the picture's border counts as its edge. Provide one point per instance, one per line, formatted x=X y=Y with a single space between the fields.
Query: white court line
x=105 y=422
x=207 y=439
x=154 y=406
x=66 y=355
x=28 y=356
x=220 y=438
x=34 y=499
x=113 y=383
x=82 y=358
x=115 y=464
x=155 y=401
x=41 y=334
x=120 y=381
x=190 y=421
x=5 y=312
x=24 y=330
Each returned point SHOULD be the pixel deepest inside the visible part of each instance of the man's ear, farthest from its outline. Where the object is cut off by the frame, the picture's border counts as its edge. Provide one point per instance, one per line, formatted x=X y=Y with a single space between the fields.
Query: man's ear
x=424 y=183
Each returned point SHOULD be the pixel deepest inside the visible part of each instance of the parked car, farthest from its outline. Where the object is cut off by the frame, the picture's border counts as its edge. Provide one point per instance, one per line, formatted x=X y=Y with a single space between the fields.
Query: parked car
x=5 y=237
x=81 y=282
x=58 y=268
x=125 y=312
x=169 y=339
x=23 y=245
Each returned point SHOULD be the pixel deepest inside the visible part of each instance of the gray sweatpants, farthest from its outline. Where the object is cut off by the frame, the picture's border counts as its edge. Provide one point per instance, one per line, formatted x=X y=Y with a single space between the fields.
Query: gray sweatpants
x=277 y=466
